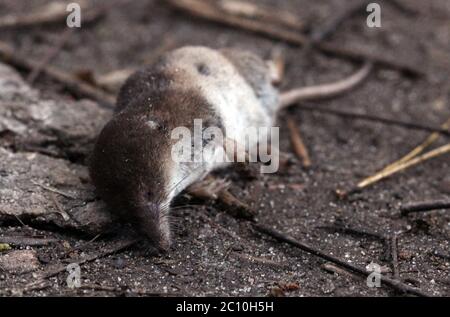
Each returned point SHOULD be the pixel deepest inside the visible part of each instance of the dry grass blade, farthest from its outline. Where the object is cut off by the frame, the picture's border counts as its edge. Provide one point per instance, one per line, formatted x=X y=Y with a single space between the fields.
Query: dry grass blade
x=400 y=167
x=411 y=155
x=419 y=149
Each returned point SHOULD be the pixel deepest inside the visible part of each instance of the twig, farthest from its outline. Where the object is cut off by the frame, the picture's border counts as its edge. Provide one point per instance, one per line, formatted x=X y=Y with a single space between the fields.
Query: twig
x=80 y=247
x=374 y=236
x=394 y=284
x=205 y=10
x=366 y=117
x=58 y=268
x=96 y=287
x=27 y=241
x=20 y=291
x=403 y=8
x=330 y=267
x=75 y=86
x=324 y=31
x=54 y=190
x=425 y=206
x=112 y=81
x=262 y=13
x=52 y=53
x=259 y=260
x=297 y=143
x=354 y=232
x=53 y=12
x=394 y=256
x=361 y=56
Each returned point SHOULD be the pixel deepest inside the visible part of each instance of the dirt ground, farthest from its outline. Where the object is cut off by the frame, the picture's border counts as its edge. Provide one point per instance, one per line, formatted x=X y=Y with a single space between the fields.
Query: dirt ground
x=215 y=254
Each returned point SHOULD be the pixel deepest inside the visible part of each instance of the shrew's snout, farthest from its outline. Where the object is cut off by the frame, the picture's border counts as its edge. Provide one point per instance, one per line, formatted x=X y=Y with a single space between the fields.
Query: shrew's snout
x=154 y=226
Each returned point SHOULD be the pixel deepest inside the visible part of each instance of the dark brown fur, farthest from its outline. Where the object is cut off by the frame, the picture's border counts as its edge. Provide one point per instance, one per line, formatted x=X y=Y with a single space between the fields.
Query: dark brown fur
x=128 y=164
